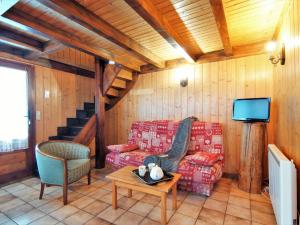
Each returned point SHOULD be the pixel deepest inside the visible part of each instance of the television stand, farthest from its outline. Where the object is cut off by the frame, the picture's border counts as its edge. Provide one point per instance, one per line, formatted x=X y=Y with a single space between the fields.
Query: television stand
x=251 y=158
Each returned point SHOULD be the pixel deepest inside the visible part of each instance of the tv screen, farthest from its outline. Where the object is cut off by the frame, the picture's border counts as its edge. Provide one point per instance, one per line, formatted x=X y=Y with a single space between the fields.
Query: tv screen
x=251 y=109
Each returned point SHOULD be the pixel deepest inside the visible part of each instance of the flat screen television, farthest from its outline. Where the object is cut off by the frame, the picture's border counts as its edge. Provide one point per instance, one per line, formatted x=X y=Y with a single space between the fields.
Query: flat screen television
x=251 y=109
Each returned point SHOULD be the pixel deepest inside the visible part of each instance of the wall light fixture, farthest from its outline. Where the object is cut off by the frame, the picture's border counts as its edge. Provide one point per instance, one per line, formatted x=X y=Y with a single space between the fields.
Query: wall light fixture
x=276 y=57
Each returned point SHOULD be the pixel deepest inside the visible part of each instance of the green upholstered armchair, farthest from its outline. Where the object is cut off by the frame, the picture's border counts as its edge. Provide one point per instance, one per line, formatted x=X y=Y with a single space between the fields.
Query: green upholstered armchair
x=62 y=163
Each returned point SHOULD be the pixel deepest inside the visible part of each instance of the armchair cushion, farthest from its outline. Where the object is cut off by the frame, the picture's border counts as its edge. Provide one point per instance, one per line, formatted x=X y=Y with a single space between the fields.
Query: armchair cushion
x=77 y=168
x=122 y=148
x=203 y=158
x=65 y=150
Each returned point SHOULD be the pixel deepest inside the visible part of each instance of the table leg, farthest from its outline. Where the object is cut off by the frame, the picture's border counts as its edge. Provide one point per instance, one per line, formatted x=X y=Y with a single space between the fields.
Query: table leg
x=163 y=209
x=129 y=193
x=174 y=193
x=114 y=195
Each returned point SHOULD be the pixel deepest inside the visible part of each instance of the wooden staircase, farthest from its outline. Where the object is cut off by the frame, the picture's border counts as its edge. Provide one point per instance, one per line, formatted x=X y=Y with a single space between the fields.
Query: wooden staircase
x=116 y=84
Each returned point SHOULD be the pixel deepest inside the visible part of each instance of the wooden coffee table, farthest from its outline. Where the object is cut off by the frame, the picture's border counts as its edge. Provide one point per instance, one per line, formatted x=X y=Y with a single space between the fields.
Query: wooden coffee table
x=125 y=178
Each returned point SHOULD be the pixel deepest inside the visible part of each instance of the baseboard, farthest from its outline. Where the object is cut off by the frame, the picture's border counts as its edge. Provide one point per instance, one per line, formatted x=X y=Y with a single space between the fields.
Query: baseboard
x=14 y=177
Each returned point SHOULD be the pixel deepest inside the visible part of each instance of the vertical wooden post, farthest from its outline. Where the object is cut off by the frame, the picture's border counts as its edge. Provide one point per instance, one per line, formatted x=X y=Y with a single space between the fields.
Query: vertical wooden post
x=252 y=150
x=100 y=113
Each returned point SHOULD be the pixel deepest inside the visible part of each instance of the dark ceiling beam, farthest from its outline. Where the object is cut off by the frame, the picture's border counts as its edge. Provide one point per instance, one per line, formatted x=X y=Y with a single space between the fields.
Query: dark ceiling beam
x=147 y=10
x=19 y=40
x=67 y=38
x=80 y=15
x=237 y=52
x=6 y=5
x=218 y=11
x=16 y=54
x=49 y=47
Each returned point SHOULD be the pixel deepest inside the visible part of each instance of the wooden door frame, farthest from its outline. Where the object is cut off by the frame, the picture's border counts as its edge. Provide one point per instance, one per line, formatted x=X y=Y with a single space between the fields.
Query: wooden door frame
x=30 y=154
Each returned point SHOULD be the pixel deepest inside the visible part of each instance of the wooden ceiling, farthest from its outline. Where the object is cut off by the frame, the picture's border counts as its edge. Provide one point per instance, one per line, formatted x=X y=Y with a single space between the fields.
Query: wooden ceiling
x=135 y=33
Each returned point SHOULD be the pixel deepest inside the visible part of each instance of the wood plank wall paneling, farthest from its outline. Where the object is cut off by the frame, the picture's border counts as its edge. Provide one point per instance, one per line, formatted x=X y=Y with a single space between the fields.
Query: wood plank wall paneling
x=287 y=89
x=68 y=92
x=18 y=160
x=208 y=96
x=74 y=57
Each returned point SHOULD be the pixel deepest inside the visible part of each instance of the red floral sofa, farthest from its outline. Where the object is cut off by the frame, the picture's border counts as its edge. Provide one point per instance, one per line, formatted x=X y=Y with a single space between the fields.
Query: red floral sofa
x=155 y=137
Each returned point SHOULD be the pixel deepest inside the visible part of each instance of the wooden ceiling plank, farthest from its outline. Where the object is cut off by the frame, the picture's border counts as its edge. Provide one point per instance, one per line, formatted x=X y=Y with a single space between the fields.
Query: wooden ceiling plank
x=149 y=12
x=218 y=11
x=94 y=23
x=67 y=39
x=19 y=40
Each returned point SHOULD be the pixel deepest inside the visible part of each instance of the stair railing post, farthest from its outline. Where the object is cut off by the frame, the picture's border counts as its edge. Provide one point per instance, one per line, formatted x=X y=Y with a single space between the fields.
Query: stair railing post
x=100 y=113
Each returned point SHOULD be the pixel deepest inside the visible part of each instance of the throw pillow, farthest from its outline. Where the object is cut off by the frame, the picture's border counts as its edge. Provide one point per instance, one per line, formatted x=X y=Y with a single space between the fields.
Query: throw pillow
x=122 y=148
x=203 y=158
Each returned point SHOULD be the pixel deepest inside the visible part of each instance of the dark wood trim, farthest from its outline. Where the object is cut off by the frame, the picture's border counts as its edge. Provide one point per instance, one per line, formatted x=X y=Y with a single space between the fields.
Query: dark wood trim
x=13 y=50
x=80 y=15
x=65 y=184
x=100 y=113
x=218 y=11
x=88 y=132
x=20 y=40
x=68 y=39
x=30 y=156
x=10 y=57
x=65 y=67
x=147 y=10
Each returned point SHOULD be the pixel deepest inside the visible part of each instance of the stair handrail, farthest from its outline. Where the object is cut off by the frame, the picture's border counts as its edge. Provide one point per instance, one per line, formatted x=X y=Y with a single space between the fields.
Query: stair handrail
x=88 y=132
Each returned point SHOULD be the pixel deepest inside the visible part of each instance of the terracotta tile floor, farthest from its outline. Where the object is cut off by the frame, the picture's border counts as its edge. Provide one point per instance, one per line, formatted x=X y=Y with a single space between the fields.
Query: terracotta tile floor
x=91 y=205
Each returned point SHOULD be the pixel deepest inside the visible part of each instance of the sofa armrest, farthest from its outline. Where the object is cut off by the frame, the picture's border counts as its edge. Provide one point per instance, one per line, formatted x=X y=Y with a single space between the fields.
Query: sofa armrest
x=122 y=148
x=51 y=168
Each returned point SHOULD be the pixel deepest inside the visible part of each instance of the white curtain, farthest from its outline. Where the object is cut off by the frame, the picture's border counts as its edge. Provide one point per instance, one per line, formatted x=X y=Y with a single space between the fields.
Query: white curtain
x=13 y=109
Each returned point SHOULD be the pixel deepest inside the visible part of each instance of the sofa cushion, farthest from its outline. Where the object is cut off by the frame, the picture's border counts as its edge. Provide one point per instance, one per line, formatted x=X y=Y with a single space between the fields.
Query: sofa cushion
x=77 y=168
x=122 y=148
x=199 y=174
x=203 y=158
x=206 y=137
x=153 y=136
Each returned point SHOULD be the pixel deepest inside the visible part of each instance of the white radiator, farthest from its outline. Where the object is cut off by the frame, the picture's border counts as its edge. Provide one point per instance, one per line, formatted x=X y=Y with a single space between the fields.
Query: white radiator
x=283 y=186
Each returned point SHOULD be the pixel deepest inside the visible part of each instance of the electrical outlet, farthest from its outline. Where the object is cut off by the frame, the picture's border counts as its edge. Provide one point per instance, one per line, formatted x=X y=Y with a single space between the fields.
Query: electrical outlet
x=38 y=115
x=47 y=94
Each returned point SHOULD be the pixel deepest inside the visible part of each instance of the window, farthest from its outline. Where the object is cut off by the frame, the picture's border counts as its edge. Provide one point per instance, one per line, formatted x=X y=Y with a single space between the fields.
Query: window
x=14 y=119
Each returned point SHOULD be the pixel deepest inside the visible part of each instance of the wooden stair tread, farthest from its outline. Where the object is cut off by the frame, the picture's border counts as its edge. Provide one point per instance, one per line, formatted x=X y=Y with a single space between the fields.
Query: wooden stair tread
x=119 y=84
x=124 y=74
x=113 y=92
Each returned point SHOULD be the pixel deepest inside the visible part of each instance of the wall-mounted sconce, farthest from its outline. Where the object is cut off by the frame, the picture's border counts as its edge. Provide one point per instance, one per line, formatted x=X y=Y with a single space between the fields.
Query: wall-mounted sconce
x=182 y=75
x=184 y=80
x=276 y=58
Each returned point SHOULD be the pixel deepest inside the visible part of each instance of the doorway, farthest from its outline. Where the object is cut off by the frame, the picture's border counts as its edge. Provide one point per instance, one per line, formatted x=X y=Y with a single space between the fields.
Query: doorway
x=17 y=120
